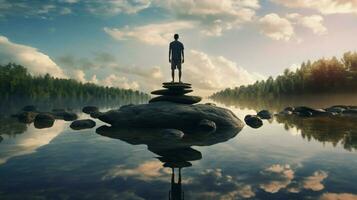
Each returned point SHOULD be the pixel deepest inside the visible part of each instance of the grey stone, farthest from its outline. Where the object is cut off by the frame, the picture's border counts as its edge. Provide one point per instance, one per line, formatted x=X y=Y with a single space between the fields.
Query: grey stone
x=170 y=115
x=177 y=99
x=82 y=124
x=253 y=121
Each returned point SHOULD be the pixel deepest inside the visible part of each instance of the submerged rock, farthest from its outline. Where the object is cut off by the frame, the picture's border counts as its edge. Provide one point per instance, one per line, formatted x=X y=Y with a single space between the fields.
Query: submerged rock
x=82 y=124
x=264 y=114
x=253 y=121
x=67 y=116
x=26 y=117
x=29 y=108
x=90 y=109
x=177 y=99
x=44 y=120
x=170 y=115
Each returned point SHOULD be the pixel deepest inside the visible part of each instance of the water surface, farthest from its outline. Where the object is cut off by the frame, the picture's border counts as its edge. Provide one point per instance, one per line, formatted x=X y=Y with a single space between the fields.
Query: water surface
x=284 y=159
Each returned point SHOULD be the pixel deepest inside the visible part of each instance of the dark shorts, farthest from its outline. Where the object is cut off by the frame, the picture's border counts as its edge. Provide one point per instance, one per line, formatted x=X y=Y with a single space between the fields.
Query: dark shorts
x=175 y=65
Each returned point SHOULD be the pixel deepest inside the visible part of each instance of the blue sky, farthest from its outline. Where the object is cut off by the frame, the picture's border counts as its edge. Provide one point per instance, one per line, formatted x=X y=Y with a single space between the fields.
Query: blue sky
x=124 y=43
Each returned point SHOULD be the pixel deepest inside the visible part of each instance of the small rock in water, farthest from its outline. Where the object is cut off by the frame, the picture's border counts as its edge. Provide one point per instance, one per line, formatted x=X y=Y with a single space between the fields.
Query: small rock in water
x=264 y=114
x=207 y=126
x=58 y=110
x=90 y=109
x=67 y=116
x=82 y=124
x=335 y=109
x=29 y=108
x=253 y=121
x=44 y=120
x=291 y=109
x=95 y=115
x=172 y=134
x=285 y=112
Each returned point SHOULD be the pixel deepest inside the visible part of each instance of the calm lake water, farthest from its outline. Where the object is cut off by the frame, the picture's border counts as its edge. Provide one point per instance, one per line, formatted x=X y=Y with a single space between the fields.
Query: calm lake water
x=284 y=159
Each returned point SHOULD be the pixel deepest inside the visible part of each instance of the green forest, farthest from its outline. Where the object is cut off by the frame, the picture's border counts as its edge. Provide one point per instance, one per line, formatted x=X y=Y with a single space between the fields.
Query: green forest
x=324 y=76
x=17 y=82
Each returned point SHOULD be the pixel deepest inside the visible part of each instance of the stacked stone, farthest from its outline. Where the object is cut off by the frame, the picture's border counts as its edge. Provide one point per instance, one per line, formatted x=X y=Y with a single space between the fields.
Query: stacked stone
x=175 y=92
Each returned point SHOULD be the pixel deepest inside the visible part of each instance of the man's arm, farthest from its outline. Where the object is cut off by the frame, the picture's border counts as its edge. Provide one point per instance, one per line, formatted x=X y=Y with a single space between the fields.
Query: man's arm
x=170 y=53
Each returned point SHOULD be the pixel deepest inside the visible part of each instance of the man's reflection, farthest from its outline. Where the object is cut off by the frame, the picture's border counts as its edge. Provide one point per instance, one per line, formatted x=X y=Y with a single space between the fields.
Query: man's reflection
x=176 y=192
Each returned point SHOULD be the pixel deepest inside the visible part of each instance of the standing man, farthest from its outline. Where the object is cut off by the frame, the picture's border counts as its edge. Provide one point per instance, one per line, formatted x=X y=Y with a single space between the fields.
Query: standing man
x=176 y=57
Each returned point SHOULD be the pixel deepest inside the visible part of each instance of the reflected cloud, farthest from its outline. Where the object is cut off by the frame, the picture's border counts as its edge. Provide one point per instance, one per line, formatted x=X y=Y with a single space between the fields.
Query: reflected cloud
x=338 y=196
x=280 y=176
x=314 y=182
x=29 y=141
x=149 y=170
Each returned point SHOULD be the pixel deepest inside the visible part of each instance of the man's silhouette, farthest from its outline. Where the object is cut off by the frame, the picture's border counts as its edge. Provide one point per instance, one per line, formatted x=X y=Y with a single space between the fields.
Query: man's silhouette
x=176 y=57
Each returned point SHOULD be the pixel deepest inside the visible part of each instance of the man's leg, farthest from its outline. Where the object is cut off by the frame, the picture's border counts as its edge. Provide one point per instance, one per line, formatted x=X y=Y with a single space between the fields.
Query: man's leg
x=180 y=72
x=173 y=75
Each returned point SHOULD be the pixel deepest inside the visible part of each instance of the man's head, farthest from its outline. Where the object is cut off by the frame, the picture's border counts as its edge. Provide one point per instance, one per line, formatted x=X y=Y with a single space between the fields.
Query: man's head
x=176 y=36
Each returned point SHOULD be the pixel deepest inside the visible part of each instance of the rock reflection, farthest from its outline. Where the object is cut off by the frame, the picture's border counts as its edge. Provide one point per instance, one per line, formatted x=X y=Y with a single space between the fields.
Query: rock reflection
x=333 y=130
x=174 y=153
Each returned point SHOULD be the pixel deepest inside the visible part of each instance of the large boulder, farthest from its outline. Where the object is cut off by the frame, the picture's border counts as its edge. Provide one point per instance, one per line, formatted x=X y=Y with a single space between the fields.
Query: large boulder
x=170 y=115
x=177 y=99
x=253 y=121
x=44 y=120
x=82 y=124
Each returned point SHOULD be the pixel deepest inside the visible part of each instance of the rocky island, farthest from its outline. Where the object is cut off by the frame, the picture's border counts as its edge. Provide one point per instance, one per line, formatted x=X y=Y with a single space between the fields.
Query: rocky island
x=173 y=109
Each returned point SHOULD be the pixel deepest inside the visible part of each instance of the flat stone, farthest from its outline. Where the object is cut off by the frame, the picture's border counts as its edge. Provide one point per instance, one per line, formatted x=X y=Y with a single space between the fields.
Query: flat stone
x=171 y=92
x=176 y=83
x=176 y=86
x=177 y=99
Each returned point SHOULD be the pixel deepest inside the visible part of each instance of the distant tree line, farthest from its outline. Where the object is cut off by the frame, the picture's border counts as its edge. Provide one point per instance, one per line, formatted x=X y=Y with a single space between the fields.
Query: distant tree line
x=322 y=76
x=16 y=81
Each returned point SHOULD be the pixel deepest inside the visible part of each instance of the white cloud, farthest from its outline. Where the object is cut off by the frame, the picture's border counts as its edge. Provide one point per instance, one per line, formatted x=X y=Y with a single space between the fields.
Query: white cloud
x=113 y=7
x=276 y=27
x=152 y=34
x=120 y=81
x=212 y=73
x=214 y=16
x=313 y=22
x=35 y=61
x=338 y=196
x=323 y=6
